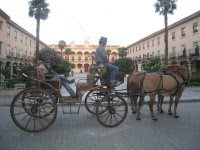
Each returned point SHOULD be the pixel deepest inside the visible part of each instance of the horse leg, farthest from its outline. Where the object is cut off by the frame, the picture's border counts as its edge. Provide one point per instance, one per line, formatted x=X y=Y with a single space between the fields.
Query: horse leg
x=151 y=102
x=134 y=104
x=158 y=104
x=175 y=106
x=161 y=102
x=141 y=100
x=170 y=105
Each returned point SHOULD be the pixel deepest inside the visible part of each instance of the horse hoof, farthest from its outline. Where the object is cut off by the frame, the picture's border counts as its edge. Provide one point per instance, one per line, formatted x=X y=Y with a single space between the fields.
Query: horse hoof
x=176 y=116
x=133 y=111
x=161 y=111
x=155 y=118
x=138 y=118
x=170 y=113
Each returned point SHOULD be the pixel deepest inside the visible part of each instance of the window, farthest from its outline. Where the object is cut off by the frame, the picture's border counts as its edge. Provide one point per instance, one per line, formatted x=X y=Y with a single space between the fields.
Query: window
x=8 y=50
x=8 y=31
x=22 y=38
x=139 y=47
x=86 y=58
x=136 y=48
x=183 y=31
x=30 y=42
x=79 y=58
x=195 y=27
x=0 y=47
x=173 y=36
x=133 y=49
x=153 y=54
x=148 y=44
x=15 y=35
x=143 y=46
x=182 y=51
x=173 y=51
x=72 y=58
x=158 y=40
x=158 y=53
x=26 y=40
x=1 y=24
x=152 y=42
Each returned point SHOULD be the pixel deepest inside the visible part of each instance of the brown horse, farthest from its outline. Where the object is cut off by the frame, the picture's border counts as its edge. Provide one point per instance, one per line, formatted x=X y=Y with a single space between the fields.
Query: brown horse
x=152 y=84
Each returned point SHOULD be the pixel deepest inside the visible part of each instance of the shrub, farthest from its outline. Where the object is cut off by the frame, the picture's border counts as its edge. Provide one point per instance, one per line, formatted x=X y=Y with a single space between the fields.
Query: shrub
x=125 y=65
x=194 y=81
x=154 y=65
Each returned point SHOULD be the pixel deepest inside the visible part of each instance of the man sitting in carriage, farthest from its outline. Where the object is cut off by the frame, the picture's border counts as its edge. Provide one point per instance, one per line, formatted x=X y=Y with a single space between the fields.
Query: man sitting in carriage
x=101 y=59
x=45 y=68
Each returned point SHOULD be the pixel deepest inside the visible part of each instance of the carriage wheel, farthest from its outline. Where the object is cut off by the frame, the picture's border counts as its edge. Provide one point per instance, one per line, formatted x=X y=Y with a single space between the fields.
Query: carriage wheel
x=92 y=99
x=33 y=110
x=114 y=109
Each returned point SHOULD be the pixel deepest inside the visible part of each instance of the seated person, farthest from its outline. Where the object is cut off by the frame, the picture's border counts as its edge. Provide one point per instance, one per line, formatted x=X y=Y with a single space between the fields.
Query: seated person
x=101 y=59
x=46 y=69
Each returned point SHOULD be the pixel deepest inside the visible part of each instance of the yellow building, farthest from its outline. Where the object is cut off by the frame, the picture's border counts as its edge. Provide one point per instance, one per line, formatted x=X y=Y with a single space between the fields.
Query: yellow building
x=17 y=46
x=184 y=45
x=81 y=56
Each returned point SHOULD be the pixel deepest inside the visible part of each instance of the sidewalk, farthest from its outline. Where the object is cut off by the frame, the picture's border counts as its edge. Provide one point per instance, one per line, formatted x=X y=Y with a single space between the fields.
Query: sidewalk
x=190 y=94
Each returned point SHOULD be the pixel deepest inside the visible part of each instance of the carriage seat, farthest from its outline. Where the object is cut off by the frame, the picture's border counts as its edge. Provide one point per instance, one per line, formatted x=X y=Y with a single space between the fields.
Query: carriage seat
x=47 y=79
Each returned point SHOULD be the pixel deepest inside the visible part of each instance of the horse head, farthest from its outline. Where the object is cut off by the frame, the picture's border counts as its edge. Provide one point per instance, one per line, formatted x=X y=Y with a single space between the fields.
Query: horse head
x=179 y=70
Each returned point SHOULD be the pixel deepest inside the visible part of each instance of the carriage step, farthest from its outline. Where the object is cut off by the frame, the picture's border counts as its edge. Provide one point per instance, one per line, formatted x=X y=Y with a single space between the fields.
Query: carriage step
x=69 y=99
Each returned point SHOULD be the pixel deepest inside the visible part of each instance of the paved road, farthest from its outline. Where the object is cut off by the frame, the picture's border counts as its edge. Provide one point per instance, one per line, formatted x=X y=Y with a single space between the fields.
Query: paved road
x=83 y=132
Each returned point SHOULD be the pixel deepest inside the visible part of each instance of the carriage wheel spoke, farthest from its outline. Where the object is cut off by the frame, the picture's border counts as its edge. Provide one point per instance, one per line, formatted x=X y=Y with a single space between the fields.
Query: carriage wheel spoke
x=118 y=114
x=111 y=119
x=25 y=117
x=115 y=118
x=28 y=122
x=106 y=118
x=20 y=113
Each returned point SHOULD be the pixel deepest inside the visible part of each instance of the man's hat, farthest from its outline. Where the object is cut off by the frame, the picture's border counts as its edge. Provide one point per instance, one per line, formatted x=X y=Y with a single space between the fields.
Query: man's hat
x=104 y=39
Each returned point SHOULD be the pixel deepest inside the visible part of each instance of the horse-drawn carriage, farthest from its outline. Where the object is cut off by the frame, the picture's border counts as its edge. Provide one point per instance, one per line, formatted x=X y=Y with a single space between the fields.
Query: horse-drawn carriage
x=35 y=108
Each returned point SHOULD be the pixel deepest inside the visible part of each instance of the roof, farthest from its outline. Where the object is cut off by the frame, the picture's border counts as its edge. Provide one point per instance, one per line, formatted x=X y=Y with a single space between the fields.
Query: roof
x=186 y=19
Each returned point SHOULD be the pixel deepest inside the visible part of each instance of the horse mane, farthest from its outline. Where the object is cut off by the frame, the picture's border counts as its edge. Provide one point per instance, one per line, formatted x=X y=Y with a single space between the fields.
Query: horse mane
x=174 y=67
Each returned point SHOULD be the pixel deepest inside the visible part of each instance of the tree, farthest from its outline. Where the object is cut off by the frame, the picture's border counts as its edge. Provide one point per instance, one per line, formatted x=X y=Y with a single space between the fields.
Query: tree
x=68 y=52
x=165 y=7
x=122 y=52
x=61 y=45
x=154 y=65
x=39 y=10
x=125 y=65
x=108 y=53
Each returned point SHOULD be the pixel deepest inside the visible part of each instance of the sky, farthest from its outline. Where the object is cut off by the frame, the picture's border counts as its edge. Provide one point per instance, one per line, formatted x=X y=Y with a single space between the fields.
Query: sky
x=123 y=22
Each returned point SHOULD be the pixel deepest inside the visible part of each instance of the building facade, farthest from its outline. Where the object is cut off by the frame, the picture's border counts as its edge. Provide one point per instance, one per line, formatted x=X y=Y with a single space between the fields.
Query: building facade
x=17 y=46
x=183 y=47
x=81 y=57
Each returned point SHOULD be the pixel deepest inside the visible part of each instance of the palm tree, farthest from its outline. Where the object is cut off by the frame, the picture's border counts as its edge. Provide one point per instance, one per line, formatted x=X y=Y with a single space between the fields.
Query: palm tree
x=61 y=45
x=68 y=52
x=122 y=52
x=165 y=7
x=39 y=10
x=108 y=53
